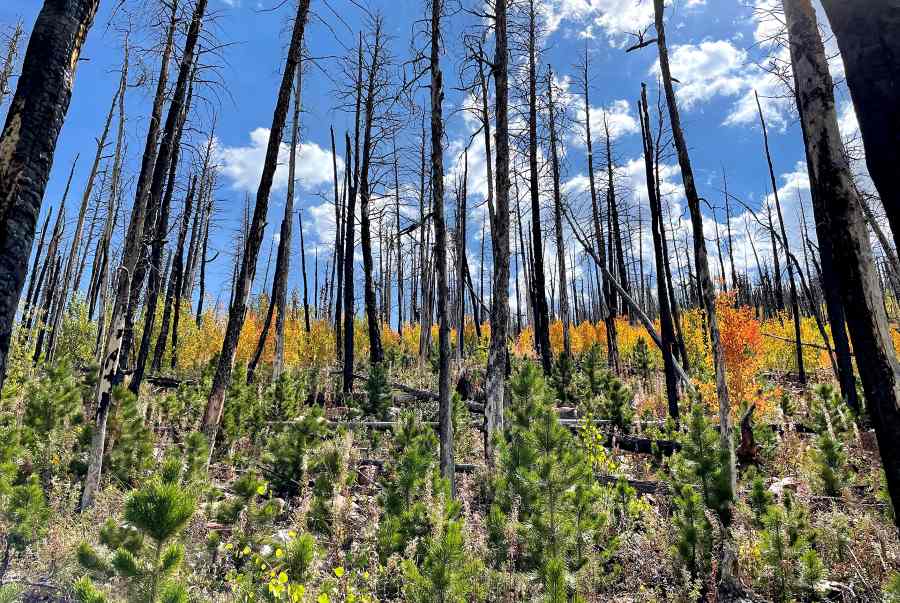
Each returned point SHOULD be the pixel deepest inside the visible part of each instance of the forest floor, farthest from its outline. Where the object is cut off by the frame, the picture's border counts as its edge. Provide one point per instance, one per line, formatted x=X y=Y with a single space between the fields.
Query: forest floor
x=308 y=498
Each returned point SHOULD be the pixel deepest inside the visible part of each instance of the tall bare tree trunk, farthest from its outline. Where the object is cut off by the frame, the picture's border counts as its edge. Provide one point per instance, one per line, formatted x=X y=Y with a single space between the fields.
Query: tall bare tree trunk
x=844 y=225
x=728 y=571
x=28 y=142
x=376 y=353
x=338 y=265
x=33 y=279
x=350 y=227
x=278 y=302
x=159 y=234
x=238 y=310
x=279 y=296
x=667 y=329
x=498 y=356
x=795 y=303
x=175 y=279
x=445 y=420
x=461 y=220
x=59 y=227
x=609 y=318
x=539 y=284
x=132 y=253
x=564 y=313
x=868 y=35
x=56 y=319
x=154 y=167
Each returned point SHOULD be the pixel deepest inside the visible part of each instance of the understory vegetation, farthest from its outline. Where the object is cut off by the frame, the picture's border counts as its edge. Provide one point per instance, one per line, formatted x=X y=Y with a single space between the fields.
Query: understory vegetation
x=313 y=495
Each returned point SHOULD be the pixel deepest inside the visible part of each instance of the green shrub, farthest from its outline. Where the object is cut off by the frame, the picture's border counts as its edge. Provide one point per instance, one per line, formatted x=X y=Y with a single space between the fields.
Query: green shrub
x=793 y=564
x=760 y=498
x=130 y=458
x=563 y=380
x=407 y=485
x=641 y=361
x=702 y=460
x=547 y=476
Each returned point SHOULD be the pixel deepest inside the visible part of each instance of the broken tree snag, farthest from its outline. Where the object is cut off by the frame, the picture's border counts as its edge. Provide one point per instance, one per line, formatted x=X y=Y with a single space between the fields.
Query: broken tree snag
x=28 y=142
x=748 y=451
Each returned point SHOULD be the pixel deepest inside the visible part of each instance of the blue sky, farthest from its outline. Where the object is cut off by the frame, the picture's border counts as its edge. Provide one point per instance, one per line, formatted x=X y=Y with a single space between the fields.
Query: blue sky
x=715 y=48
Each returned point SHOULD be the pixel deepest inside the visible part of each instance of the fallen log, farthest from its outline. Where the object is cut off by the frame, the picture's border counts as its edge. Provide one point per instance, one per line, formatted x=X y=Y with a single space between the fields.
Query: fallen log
x=458 y=467
x=640 y=486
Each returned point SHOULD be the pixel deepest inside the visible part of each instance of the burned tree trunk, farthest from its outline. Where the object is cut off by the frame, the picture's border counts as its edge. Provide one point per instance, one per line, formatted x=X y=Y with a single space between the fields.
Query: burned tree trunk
x=56 y=319
x=131 y=255
x=445 y=421
x=338 y=265
x=868 y=35
x=237 y=312
x=843 y=224
x=33 y=279
x=667 y=329
x=58 y=230
x=498 y=357
x=175 y=278
x=28 y=142
x=278 y=302
x=159 y=233
x=376 y=353
x=539 y=283
x=557 y=221
x=795 y=302
x=707 y=289
x=609 y=318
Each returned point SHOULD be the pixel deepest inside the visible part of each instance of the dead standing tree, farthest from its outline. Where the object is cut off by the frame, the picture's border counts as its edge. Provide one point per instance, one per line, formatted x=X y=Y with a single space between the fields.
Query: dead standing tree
x=28 y=142
x=837 y=207
x=795 y=302
x=539 y=282
x=445 y=420
x=375 y=89
x=553 y=122
x=667 y=328
x=278 y=302
x=63 y=294
x=728 y=583
x=237 y=312
x=868 y=35
x=609 y=319
x=149 y=186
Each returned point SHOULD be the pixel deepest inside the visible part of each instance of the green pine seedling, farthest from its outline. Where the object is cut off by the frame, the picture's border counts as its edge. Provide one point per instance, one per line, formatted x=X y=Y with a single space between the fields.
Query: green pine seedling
x=27 y=516
x=144 y=554
x=693 y=532
x=831 y=464
x=378 y=391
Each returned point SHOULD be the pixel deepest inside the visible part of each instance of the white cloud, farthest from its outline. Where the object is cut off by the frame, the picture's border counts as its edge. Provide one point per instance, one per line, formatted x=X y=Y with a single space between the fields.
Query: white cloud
x=243 y=165
x=616 y=18
x=712 y=68
x=717 y=68
x=618 y=117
